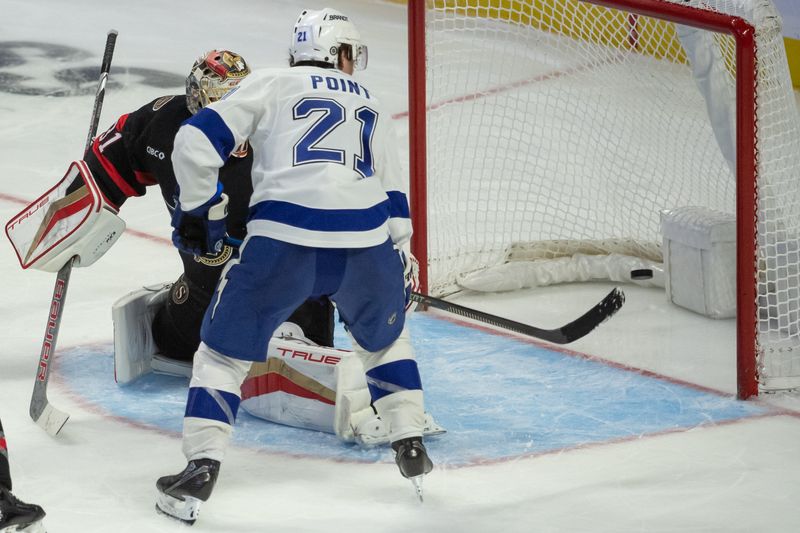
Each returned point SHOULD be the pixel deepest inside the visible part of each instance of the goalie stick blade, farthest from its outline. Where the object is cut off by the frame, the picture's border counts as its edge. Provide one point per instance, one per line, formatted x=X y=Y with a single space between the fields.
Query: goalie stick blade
x=49 y=418
x=567 y=333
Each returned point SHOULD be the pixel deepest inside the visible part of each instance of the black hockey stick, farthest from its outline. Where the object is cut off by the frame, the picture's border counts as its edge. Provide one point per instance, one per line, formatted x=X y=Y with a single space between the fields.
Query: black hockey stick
x=563 y=335
x=41 y=410
x=567 y=333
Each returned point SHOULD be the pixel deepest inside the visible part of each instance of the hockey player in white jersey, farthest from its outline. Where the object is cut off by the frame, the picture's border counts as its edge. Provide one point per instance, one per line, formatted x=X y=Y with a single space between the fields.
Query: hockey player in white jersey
x=329 y=216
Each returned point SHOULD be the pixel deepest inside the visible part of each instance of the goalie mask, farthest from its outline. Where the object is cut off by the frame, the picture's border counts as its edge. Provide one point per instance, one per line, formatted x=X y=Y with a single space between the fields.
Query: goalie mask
x=319 y=35
x=213 y=74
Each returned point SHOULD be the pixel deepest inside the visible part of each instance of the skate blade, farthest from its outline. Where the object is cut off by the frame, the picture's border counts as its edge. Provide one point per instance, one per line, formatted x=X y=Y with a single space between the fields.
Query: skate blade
x=35 y=527
x=184 y=510
x=417 y=482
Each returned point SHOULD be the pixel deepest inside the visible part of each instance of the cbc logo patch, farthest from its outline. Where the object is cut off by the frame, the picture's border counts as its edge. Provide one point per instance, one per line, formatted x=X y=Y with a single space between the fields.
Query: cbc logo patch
x=158 y=154
x=180 y=292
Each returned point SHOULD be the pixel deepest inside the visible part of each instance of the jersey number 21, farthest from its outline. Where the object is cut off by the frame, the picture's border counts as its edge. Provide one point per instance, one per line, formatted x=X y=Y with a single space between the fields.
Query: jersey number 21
x=332 y=115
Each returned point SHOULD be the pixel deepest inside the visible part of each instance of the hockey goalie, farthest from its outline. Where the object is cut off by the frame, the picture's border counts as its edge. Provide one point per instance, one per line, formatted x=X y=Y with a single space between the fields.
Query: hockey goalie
x=301 y=384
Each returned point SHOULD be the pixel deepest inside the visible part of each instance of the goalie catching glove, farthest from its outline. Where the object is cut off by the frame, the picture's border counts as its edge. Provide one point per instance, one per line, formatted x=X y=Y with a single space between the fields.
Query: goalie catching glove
x=201 y=231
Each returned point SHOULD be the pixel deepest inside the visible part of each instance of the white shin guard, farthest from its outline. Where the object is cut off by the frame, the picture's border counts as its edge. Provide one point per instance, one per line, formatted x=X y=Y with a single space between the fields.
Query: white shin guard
x=203 y=437
x=403 y=411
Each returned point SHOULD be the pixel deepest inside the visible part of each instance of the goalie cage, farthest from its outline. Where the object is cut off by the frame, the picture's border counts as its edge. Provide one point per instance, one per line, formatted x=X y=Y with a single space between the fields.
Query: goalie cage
x=566 y=126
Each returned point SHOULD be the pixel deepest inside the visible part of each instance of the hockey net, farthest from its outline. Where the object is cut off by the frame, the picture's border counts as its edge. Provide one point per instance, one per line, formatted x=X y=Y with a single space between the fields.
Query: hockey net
x=557 y=127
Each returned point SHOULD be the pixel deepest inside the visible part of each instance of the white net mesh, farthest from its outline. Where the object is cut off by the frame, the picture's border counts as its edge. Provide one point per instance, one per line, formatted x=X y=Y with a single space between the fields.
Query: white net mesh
x=556 y=122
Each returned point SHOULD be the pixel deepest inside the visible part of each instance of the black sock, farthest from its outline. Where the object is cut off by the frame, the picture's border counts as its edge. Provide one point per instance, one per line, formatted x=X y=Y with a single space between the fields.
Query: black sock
x=5 y=470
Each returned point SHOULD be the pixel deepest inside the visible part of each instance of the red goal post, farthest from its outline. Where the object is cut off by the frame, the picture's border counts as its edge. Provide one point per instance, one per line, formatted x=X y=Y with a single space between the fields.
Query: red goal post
x=501 y=16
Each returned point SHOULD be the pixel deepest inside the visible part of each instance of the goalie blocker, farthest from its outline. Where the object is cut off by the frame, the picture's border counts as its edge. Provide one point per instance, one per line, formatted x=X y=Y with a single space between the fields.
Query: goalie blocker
x=72 y=219
x=300 y=384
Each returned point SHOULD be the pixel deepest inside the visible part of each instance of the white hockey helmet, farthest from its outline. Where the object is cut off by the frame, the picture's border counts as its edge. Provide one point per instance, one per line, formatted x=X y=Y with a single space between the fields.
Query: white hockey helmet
x=212 y=75
x=318 y=35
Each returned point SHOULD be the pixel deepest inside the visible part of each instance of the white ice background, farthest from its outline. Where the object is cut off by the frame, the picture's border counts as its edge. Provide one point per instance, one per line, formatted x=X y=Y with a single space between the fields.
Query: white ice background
x=98 y=475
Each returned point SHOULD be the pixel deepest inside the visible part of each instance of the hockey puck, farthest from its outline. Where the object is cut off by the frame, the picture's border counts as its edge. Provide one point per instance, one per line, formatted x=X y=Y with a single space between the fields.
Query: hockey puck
x=641 y=273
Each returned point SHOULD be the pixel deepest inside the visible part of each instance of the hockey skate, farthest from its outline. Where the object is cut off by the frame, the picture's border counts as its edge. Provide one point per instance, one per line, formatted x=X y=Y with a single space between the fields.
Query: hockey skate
x=413 y=461
x=179 y=496
x=19 y=516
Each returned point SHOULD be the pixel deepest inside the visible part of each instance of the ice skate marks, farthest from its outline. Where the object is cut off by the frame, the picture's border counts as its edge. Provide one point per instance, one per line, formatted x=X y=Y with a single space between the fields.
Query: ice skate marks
x=498 y=397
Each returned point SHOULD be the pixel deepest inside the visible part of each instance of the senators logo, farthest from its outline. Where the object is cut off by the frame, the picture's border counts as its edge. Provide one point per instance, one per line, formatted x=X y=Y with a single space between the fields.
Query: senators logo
x=217 y=260
x=180 y=292
x=237 y=68
x=161 y=102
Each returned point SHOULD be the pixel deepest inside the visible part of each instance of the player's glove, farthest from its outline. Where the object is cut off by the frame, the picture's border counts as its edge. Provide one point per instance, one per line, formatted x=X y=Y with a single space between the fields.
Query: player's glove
x=202 y=230
x=411 y=276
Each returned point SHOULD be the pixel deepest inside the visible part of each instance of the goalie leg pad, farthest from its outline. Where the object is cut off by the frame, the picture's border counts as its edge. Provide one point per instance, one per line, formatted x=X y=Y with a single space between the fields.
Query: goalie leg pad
x=171 y=367
x=133 y=338
x=297 y=383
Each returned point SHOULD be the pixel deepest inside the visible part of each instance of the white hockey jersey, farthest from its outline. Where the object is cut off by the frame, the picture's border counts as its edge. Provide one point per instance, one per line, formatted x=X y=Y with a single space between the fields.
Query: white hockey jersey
x=325 y=171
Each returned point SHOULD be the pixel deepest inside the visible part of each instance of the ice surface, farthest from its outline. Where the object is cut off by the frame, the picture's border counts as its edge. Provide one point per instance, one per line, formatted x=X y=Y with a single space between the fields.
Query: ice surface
x=539 y=440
